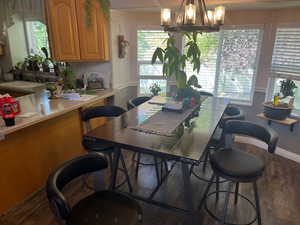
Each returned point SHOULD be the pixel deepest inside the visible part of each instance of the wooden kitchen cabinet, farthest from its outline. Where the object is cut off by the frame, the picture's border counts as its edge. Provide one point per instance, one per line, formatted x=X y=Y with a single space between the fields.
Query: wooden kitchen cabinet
x=70 y=39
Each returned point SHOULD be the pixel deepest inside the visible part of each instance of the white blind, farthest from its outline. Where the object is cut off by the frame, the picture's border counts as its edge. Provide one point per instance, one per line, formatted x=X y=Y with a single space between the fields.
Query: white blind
x=228 y=62
x=238 y=60
x=148 y=41
x=286 y=53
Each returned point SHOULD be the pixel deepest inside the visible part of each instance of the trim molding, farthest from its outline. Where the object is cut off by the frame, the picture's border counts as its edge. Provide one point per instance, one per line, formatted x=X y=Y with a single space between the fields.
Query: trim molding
x=279 y=151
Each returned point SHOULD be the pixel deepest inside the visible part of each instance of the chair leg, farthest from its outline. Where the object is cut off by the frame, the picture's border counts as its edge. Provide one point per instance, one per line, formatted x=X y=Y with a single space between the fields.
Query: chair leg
x=205 y=160
x=236 y=194
x=206 y=191
x=156 y=169
x=137 y=165
x=133 y=156
x=217 y=187
x=226 y=203
x=257 y=203
x=110 y=162
x=126 y=172
x=166 y=166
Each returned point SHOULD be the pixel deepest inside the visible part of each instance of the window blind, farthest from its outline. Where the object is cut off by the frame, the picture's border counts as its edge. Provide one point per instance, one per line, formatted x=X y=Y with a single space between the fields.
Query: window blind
x=148 y=41
x=286 y=54
x=239 y=52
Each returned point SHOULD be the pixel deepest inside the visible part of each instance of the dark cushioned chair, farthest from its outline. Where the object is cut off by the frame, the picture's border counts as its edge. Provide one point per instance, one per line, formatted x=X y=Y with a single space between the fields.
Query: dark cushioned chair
x=99 y=208
x=103 y=147
x=237 y=166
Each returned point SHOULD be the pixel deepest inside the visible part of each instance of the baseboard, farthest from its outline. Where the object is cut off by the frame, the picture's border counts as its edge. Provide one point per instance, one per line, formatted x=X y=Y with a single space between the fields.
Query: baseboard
x=279 y=151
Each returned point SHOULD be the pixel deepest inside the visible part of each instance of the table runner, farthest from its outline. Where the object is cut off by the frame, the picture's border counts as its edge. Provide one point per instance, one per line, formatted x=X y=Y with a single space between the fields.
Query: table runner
x=164 y=122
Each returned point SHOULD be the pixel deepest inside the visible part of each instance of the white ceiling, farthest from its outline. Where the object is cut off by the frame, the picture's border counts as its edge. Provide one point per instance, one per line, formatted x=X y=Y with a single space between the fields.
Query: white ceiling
x=232 y=4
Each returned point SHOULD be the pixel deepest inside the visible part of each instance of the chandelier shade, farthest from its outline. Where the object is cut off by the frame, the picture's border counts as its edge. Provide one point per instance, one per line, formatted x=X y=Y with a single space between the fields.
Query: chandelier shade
x=192 y=15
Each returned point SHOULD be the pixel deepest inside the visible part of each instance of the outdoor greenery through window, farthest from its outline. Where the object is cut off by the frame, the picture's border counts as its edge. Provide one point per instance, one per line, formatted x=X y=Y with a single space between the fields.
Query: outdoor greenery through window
x=286 y=61
x=37 y=37
x=228 y=62
x=148 y=41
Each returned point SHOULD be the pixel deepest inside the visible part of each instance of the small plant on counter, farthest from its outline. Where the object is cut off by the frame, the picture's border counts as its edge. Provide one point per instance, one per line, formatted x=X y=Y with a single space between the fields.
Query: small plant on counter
x=68 y=78
x=155 y=89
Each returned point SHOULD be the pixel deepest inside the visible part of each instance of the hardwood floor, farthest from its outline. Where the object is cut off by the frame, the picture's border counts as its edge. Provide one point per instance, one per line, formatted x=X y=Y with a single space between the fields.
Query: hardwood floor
x=279 y=194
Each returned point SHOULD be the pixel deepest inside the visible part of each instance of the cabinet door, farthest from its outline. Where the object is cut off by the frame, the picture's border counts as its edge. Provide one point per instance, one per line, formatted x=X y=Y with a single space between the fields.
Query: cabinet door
x=94 y=39
x=63 y=30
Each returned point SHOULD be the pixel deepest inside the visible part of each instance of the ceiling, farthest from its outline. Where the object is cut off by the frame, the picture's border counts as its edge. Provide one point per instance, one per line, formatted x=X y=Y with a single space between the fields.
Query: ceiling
x=231 y=4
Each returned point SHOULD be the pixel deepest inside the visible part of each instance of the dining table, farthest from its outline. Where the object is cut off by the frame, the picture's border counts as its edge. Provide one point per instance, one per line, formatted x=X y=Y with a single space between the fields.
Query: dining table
x=185 y=147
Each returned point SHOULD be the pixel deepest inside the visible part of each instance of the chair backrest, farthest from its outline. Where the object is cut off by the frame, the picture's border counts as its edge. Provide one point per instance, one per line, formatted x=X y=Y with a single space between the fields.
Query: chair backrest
x=265 y=134
x=205 y=93
x=232 y=113
x=64 y=174
x=101 y=111
x=132 y=103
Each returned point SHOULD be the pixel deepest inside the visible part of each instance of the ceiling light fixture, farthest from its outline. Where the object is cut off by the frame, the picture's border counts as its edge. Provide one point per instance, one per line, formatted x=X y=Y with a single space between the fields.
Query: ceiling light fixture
x=193 y=16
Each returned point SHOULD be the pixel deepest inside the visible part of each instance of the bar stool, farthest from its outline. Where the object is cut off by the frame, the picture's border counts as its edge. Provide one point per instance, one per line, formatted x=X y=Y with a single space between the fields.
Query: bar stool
x=231 y=113
x=104 y=207
x=105 y=148
x=132 y=103
x=237 y=166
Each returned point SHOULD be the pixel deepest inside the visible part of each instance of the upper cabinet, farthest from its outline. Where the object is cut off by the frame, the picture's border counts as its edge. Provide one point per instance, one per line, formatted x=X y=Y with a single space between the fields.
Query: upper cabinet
x=71 y=39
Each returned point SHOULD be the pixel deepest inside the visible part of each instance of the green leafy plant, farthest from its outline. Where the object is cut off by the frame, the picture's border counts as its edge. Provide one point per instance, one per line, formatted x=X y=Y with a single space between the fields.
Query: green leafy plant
x=287 y=88
x=155 y=89
x=69 y=78
x=105 y=7
x=174 y=63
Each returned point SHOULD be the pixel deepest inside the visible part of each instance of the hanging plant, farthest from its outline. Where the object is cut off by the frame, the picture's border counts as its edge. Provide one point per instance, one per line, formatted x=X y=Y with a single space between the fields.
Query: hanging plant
x=104 y=5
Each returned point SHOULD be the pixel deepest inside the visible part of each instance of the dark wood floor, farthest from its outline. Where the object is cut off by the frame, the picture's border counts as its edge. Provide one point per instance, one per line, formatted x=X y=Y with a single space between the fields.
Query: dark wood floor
x=279 y=191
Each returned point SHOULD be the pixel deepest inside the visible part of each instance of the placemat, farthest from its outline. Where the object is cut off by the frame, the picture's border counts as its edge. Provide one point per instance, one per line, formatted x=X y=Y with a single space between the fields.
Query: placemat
x=164 y=123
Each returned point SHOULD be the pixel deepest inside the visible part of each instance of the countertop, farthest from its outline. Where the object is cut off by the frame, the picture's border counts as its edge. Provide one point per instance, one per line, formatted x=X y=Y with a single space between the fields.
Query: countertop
x=22 y=86
x=36 y=108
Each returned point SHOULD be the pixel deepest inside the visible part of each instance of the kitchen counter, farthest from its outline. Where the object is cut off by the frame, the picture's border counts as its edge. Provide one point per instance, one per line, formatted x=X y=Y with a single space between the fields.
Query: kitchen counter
x=36 y=108
x=47 y=133
x=22 y=86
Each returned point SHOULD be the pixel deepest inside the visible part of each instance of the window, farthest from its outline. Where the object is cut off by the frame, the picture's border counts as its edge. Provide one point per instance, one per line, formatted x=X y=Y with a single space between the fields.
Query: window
x=37 y=37
x=286 y=61
x=148 y=41
x=229 y=61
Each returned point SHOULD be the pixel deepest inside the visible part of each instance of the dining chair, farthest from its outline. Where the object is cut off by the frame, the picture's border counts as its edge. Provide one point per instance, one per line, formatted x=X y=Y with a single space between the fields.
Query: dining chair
x=103 y=207
x=106 y=148
x=231 y=113
x=237 y=166
x=132 y=103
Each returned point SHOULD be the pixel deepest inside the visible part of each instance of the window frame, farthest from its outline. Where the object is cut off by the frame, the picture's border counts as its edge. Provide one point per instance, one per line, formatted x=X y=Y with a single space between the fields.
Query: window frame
x=259 y=27
x=272 y=76
x=147 y=77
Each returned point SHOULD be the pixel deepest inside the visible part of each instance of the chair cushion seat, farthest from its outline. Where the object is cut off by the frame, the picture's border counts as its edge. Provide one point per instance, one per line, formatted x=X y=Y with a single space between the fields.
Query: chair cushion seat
x=105 y=208
x=233 y=162
x=91 y=145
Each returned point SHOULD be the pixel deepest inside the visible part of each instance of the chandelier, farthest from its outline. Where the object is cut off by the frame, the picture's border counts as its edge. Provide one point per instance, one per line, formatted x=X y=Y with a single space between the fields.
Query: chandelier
x=193 y=16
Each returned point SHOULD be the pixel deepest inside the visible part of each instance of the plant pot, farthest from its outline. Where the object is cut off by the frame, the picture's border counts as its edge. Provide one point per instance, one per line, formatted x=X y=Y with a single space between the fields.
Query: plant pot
x=280 y=112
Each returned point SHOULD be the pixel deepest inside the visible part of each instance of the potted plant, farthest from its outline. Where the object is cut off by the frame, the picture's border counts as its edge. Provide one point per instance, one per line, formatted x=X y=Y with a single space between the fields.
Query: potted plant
x=174 y=64
x=155 y=89
x=278 y=109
